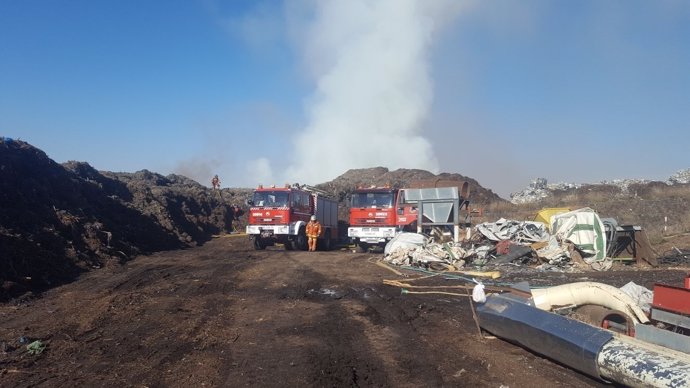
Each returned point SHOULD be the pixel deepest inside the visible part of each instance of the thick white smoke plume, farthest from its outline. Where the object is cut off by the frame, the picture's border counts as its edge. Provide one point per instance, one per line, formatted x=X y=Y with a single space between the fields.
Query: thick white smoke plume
x=370 y=61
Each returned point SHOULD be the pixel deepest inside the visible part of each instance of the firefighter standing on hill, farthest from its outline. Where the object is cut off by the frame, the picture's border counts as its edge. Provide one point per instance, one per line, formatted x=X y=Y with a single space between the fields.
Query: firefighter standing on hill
x=313 y=232
x=215 y=182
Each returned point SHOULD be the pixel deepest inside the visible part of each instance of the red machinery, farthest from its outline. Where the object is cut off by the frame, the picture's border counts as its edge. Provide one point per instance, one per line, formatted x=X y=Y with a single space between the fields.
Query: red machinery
x=670 y=315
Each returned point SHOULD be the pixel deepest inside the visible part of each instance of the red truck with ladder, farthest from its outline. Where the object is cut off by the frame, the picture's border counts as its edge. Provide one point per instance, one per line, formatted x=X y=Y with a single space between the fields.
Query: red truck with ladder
x=280 y=215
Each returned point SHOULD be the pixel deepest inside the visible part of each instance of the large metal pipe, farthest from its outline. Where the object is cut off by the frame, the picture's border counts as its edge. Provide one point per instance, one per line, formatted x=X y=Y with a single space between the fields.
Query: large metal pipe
x=636 y=363
x=594 y=351
x=567 y=341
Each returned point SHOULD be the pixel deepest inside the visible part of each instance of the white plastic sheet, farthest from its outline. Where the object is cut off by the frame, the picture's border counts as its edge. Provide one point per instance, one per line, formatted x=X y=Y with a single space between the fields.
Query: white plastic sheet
x=404 y=241
x=641 y=295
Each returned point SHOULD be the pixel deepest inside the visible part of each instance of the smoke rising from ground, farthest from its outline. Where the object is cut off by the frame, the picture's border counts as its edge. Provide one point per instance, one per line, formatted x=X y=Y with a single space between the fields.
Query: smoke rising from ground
x=370 y=62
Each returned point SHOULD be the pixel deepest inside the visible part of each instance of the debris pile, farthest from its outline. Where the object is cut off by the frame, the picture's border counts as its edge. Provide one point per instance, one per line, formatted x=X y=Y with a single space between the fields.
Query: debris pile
x=624 y=184
x=577 y=239
x=675 y=257
x=539 y=189
x=680 y=177
x=536 y=190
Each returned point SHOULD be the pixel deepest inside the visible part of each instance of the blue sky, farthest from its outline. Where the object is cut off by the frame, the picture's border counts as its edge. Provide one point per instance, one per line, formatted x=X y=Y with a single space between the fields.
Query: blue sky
x=300 y=91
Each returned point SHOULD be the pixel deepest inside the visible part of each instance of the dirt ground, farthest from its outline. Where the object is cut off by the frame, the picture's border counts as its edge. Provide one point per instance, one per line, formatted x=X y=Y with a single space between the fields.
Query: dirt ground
x=223 y=314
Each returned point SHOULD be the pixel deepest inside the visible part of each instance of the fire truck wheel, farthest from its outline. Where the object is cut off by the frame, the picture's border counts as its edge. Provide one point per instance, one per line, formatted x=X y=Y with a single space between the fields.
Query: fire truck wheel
x=327 y=243
x=300 y=242
x=259 y=244
x=362 y=247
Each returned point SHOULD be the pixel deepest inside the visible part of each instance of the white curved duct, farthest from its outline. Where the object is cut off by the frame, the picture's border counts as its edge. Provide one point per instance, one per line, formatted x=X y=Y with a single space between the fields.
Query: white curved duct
x=581 y=293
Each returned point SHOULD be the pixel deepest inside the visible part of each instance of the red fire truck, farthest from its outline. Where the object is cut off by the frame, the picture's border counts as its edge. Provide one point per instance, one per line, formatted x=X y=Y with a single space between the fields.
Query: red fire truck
x=372 y=217
x=280 y=215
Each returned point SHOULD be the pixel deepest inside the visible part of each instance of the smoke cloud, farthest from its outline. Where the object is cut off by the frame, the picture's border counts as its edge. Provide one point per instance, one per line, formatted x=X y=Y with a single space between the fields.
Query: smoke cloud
x=370 y=61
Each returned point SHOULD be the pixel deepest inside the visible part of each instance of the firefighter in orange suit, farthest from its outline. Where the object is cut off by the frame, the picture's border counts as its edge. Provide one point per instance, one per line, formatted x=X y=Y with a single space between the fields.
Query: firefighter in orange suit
x=313 y=232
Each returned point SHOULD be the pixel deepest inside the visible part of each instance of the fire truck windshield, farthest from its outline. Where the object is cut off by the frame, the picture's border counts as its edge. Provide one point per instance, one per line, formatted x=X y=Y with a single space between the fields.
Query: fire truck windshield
x=271 y=198
x=380 y=200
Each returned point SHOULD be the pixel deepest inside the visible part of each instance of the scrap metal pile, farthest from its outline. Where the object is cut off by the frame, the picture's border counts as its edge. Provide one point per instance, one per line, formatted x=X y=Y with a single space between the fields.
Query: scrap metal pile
x=675 y=256
x=573 y=239
x=631 y=336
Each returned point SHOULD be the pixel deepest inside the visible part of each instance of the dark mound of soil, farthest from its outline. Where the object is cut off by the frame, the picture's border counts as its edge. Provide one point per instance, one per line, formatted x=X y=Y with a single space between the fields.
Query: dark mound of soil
x=343 y=185
x=59 y=220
